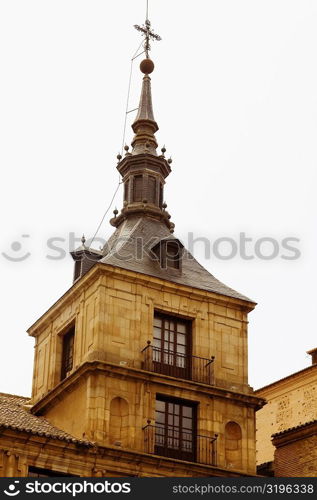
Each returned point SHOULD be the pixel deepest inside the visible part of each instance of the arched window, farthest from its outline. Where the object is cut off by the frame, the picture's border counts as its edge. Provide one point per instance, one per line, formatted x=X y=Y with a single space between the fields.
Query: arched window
x=119 y=422
x=233 y=445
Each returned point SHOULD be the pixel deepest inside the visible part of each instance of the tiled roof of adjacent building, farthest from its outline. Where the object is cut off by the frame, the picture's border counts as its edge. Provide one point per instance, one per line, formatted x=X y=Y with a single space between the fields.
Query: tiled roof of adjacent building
x=14 y=415
x=295 y=428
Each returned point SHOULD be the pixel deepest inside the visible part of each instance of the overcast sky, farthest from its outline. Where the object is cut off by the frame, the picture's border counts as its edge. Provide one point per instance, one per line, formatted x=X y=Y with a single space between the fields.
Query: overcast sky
x=235 y=97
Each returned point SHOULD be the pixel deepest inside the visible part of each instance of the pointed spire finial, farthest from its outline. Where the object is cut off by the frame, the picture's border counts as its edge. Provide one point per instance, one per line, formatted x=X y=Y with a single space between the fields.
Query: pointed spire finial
x=83 y=240
x=144 y=124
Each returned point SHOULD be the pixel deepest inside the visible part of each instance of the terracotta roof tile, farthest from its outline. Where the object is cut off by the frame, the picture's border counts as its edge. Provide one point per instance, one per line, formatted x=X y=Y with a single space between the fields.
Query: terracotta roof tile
x=295 y=428
x=14 y=416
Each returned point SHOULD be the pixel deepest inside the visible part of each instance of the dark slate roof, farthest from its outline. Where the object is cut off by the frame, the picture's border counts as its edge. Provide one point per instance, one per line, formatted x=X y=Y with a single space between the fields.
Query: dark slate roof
x=123 y=250
x=14 y=416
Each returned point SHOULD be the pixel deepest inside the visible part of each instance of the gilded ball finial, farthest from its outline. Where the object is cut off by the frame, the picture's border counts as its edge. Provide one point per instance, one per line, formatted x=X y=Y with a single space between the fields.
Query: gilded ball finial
x=147 y=66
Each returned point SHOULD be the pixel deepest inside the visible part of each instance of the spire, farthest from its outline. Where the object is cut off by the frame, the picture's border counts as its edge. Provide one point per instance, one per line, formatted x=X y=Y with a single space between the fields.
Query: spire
x=143 y=170
x=144 y=125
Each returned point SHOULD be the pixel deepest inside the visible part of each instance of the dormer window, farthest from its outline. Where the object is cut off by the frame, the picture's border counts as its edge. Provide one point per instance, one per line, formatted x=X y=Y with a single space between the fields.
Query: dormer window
x=85 y=258
x=169 y=253
x=77 y=270
x=173 y=255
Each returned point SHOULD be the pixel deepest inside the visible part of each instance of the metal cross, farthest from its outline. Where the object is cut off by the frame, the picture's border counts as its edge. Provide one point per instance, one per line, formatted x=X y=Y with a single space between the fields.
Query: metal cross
x=148 y=34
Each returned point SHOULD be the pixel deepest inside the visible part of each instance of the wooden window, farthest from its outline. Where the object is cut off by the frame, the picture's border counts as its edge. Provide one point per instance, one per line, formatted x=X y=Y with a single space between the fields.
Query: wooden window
x=151 y=191
x=169 y=254
x=138 y=188
x=126 y=191
x=172 y=345
x=161 y=196
x=175 y=429
x=77 y=271
x=68 y=352
x=173 y=255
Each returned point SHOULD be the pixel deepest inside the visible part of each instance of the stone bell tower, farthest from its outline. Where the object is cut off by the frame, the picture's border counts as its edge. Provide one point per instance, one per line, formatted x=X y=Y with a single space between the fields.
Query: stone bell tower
x=145 y=356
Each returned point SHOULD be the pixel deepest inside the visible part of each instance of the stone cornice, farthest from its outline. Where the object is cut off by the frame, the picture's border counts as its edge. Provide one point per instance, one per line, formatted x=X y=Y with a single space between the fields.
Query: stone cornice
x=99 y=270
x=107 y=458
x=136 y=374
x=144 y=162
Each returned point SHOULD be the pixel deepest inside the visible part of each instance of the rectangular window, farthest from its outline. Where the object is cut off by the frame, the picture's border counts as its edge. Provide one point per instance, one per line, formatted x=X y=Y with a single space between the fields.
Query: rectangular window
x=137 y=188
x=77 y=271
x=173 y=255
x=171 y=345
x=68 y=352
x=161 y=196
x=175 y=429
x=151 y=192
x=126 y=191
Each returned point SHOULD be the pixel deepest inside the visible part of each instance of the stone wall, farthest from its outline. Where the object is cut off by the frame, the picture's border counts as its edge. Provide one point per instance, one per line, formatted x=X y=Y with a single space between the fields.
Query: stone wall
x=296 y=452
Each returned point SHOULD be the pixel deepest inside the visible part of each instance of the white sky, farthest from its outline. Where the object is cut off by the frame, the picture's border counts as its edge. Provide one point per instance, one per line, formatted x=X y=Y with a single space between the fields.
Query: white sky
x=235 y=96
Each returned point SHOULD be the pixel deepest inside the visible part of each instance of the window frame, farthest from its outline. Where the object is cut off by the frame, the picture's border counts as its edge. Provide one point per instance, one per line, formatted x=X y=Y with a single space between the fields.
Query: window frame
x=177 y=452
x=69 y=333
x=152 y=189
x=178 y=363
x=138 y=183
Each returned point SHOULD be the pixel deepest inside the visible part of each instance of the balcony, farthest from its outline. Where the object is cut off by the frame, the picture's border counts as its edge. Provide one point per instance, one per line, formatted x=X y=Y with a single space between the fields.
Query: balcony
x=163 y=441
x=178 y=365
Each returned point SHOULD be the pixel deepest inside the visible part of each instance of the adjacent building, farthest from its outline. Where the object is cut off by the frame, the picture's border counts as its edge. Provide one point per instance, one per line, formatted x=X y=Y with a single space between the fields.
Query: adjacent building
x=289 y=417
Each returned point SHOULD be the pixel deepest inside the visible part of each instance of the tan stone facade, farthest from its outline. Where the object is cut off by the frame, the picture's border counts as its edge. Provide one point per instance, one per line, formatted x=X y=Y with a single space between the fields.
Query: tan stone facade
x=291 y=401
x=113 y=312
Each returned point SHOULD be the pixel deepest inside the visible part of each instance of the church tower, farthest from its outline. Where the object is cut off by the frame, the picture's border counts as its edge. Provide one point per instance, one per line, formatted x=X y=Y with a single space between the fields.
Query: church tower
x=145 y=356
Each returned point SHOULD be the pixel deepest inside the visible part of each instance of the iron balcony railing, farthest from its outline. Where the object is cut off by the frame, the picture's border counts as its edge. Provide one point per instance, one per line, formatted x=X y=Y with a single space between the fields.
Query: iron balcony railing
x=178 y=365
x=166 y=441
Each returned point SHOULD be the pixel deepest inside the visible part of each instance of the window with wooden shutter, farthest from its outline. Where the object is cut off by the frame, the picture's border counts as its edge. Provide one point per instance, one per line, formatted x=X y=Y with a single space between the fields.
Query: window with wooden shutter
x=172 y=345
x=137 y=188
x=173 y=255
x=77 y=271
x=126 y=190
x=68 y=352
x=151 y=192
x=161 y=196
x=175 y=429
